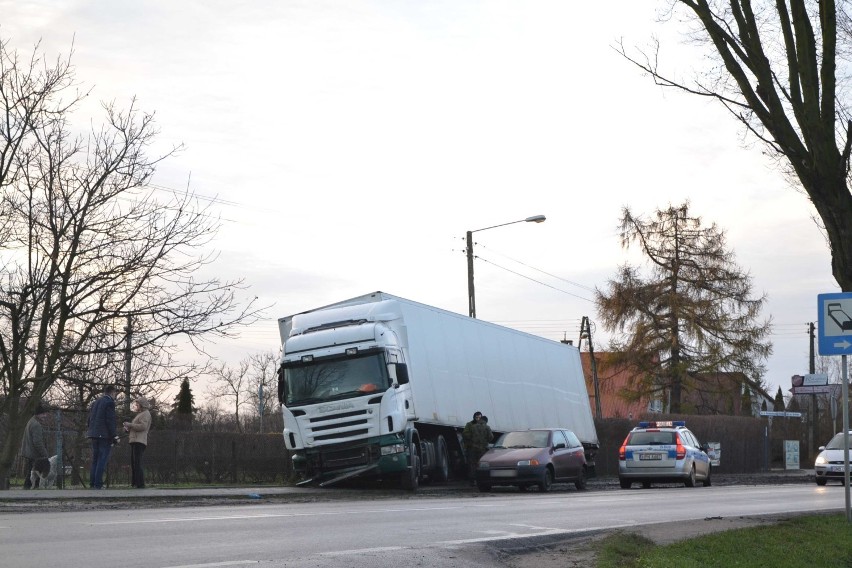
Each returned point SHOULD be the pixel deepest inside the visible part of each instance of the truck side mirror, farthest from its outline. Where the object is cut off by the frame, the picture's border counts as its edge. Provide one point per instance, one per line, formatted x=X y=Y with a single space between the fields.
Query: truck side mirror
x=282 y=384
x=402 y=373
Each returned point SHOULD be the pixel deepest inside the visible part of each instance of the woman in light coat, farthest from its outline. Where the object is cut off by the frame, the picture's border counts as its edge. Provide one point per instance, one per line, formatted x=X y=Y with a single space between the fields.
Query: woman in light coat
x=138 y=437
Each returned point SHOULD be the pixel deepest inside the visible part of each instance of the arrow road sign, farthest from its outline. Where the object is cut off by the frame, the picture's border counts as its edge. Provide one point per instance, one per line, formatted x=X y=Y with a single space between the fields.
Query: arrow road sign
x=835 y=323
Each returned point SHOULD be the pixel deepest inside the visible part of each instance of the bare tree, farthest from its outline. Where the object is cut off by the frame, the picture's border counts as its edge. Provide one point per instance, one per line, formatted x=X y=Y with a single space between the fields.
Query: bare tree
x=262 y=393
x=232 y=384
x=692 y=315
x=774 y=66
x=84 y=245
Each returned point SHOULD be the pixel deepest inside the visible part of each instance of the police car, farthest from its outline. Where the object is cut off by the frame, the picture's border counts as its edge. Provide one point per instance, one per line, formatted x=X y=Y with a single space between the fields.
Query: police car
x=663 y=452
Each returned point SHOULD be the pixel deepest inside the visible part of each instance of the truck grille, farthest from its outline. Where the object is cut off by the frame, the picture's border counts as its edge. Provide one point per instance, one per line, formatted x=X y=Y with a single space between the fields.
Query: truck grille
x=345 y=456
x=339 y=426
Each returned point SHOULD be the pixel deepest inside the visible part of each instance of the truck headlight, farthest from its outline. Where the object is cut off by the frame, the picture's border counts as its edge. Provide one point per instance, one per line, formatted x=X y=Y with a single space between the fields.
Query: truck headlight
x=393 y=449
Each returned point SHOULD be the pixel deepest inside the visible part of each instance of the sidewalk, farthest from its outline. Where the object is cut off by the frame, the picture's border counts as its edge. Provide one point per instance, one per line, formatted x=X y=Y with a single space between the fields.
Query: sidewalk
x=773 y=477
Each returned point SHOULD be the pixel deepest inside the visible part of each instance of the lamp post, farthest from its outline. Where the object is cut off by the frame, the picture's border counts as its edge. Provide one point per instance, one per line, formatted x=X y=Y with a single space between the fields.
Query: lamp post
x=471 y=300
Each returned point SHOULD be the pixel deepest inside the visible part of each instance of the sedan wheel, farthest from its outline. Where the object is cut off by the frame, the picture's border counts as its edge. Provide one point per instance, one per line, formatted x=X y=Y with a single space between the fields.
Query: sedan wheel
x=546 y=481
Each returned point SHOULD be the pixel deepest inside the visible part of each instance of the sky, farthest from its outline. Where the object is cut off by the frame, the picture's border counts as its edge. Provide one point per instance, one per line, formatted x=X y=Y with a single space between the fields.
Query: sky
x=349 y=145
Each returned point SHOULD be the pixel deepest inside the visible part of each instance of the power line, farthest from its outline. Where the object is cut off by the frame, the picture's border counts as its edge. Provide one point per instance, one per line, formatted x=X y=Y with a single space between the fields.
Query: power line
x=533 y=279
x=540 y=270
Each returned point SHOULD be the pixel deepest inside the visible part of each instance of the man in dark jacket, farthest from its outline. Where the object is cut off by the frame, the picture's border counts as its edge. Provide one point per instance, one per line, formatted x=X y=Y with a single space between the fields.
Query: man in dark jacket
x=101 y=431
x=476 y=437
x=33 y=447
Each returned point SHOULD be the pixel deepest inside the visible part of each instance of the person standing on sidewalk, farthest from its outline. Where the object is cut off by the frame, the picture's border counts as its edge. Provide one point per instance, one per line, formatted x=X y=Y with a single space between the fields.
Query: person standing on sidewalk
x=138 y=429
x=101 y=431
x=33 y=447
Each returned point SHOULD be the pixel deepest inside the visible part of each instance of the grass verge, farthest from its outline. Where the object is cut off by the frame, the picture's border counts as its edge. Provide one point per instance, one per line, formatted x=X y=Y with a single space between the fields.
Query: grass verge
x=819 y=540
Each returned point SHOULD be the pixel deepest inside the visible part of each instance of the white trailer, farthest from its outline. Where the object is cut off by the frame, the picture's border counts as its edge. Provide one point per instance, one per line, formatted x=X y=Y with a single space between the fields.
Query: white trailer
x=381 y=385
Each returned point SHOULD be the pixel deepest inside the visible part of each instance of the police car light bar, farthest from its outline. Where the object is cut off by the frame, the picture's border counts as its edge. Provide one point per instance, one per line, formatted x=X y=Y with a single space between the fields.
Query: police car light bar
x=663 y=424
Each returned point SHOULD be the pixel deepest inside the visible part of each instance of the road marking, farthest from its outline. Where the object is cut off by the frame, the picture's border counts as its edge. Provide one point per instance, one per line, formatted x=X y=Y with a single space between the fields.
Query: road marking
x=212 y=564
x=545 y=532
x=362 y=550
x=266 y=516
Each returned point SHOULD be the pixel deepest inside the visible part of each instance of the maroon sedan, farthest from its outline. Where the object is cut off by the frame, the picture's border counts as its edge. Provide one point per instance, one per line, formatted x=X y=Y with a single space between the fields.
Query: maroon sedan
x=533 y=457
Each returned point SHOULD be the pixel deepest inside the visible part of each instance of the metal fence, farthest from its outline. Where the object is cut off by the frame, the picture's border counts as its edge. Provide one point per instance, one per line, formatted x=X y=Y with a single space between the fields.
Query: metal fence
x=175 y=457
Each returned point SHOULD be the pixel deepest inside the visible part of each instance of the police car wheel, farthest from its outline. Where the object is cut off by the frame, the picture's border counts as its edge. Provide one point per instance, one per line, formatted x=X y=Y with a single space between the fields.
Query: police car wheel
x=625 y=483
x=690 y=481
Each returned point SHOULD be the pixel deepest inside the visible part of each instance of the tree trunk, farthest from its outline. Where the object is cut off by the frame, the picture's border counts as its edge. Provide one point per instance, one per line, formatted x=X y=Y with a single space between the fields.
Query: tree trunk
x=11 y=443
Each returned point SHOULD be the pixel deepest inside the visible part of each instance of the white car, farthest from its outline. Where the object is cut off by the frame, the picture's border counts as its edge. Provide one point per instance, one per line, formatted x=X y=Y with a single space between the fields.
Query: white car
x=829 y=462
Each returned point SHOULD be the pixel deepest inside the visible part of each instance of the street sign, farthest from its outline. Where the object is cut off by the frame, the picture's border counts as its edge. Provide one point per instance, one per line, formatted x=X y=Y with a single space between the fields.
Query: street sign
x=781 y=413
x=825 y=389
x=835 y=323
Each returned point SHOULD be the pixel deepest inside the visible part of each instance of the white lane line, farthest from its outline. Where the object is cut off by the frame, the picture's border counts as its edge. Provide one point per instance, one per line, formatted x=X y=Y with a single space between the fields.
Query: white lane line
x=362 y=551
x=545 y=532
x=265 y=516
x=213 y=564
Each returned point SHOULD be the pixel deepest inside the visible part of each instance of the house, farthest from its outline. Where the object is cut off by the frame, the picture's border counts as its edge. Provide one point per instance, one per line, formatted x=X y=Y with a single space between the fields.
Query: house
x=707 y=393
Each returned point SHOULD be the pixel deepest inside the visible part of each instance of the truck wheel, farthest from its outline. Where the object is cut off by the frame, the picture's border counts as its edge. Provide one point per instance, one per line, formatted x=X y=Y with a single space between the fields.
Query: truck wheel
x=411 y=477
x=580 y=484
x=546 y=481
x=442 y=467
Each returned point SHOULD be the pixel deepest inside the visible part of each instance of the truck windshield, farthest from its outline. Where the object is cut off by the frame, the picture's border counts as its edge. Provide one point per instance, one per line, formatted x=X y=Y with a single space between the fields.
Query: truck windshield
x=333 y=379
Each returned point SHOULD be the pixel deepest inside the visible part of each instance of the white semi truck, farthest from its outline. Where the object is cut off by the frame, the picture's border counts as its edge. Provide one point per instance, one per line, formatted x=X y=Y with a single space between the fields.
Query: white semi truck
x=383 y=386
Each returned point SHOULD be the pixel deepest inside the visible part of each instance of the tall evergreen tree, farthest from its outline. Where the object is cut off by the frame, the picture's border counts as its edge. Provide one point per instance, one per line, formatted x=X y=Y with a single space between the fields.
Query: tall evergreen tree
x=692 y=314
x=779 y=400
x=183 y=407
x=746 y=403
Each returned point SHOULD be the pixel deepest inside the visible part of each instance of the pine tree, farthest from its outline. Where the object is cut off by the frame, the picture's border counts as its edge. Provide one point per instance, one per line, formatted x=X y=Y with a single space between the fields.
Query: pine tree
x=746 y=403
x=694 y=314
x=182 y=407
x=779 y=400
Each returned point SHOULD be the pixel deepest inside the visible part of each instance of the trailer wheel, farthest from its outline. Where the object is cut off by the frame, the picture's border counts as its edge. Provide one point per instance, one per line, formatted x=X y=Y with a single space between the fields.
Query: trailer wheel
x=442 y=467
x=580 y=484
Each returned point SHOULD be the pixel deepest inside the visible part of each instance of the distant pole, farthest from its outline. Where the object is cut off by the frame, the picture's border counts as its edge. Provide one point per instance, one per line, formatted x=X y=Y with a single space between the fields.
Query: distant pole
x=260 y=404
x=814 y=412
x=845 y=390
x=127 y=354
x=471 y=299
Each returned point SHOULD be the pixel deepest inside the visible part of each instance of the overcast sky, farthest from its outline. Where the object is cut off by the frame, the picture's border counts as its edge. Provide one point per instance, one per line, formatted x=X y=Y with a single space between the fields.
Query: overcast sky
x=350 y=145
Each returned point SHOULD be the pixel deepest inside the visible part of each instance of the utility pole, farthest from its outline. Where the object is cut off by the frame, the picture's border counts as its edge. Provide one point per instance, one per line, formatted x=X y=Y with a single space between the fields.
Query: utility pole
x=128 y=330
x=814 y=410
x=586 y=333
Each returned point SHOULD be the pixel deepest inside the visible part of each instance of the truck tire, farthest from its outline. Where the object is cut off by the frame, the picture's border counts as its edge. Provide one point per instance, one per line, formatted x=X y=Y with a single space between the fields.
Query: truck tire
x=442 y=460
x=580 y=484
x=410 y=479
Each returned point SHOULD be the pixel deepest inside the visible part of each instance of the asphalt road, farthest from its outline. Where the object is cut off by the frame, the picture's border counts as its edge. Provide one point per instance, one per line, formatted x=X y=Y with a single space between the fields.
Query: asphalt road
x=466 y=529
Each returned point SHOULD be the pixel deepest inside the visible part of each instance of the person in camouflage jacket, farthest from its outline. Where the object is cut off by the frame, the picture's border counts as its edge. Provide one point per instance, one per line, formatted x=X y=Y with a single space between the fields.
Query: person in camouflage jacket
x=476 y=437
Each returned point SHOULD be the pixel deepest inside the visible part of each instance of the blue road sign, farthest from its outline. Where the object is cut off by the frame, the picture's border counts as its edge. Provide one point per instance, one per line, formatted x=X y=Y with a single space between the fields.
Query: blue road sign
x=835 y=323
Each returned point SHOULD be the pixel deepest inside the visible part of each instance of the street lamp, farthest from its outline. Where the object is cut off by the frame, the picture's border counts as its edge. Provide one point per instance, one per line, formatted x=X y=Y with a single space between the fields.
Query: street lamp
x=471 y=300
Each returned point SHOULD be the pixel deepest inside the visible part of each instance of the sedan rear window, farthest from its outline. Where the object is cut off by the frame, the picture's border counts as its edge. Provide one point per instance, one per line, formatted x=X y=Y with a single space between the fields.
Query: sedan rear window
x=651 y=439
